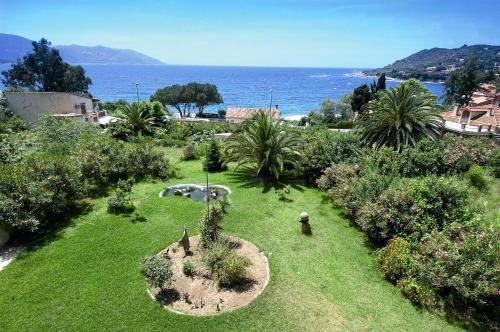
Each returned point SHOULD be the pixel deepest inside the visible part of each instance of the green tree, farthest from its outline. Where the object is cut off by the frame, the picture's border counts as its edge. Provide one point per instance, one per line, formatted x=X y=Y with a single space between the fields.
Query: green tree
x=264 y=144
x=401 y=117
x=44 y=70
x=176 y=96
x=379 y=85
x=204 y=95
x=360 y=98
x=462 y=83
x=213 y=160
x=186 y=97
x=137 y=116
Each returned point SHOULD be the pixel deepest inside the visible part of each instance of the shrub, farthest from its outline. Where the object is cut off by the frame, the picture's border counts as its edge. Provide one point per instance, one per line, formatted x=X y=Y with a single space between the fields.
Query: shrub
x=461 y=263
x=350 y=190
x=214 y=254
x=189 y=152
x=41 y=186
x=325 y=147
x=224 y=203
x=283 y=193
x=188 y=268
x=495 y=163
x=146 y=161
x=121 y=130
x=121 y=202
x=394 y=260
x=226 y=267
x=476 y=177
x=413 y=207
x=210 y=231
x=232 y=270
x=213 y=160
x=423 y=160
x=157 y=271
x=417 y=292
x=459 y=153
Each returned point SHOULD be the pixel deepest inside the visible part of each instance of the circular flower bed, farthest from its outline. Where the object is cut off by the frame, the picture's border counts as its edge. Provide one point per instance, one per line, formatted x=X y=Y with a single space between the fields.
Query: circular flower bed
x=193 y=291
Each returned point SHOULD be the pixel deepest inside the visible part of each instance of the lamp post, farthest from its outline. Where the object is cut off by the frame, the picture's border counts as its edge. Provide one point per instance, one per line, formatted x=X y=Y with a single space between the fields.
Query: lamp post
x=270 y=101
x=137 y=90
x=206 y=173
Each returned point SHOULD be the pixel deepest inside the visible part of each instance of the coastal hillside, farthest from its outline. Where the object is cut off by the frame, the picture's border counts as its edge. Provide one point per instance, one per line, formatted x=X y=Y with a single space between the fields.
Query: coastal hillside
x=13 y=47
x=104 y=55
x=437 y=63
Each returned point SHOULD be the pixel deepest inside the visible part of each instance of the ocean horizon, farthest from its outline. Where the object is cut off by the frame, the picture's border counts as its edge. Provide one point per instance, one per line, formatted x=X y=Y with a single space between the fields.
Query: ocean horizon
x=295 y=90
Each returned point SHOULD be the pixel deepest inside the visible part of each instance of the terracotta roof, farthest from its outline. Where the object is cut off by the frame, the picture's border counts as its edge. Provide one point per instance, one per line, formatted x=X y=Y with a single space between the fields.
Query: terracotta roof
x=247 y=112
x=484 y=119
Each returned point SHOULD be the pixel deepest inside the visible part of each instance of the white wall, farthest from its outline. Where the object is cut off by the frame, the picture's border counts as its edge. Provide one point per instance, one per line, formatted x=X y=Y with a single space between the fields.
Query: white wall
x=31 y=105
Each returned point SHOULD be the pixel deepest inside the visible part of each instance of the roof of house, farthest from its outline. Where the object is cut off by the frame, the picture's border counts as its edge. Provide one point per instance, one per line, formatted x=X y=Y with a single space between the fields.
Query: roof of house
x=480 y=116
x=247 y=112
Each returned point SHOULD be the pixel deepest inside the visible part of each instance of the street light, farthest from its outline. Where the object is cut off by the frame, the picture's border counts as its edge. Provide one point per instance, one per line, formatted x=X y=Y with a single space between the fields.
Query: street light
x=270 y=101
x=137 y=90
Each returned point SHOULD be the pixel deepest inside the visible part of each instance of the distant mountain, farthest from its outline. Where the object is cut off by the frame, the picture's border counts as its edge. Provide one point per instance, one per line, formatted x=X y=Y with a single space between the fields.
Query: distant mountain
x=13 y=47
x=104 y=55
x=437 y=63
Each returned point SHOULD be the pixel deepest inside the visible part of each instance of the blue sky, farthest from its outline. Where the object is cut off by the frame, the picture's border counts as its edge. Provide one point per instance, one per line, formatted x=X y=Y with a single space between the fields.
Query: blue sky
x=309 y=33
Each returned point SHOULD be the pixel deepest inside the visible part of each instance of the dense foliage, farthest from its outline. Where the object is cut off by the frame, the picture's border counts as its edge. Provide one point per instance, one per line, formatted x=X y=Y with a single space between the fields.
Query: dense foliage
x=184 y=98
x=61 y=161
x=44 y=70
x=324 y=147
x=415 y=65
x=462 y=83
x=157 y=271
x=263 y=144
x=331 y=113
x=401 y=117
x=213 y=160
x=433 y=242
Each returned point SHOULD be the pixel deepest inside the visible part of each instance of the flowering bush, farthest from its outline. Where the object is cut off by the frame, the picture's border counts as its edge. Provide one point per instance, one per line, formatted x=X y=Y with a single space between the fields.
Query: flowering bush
x=413 y=207
x=459 y=153
x=323 y=148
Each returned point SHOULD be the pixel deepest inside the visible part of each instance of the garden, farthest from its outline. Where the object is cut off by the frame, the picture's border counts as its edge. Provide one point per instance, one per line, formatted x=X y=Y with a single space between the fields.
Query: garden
x=403 y=230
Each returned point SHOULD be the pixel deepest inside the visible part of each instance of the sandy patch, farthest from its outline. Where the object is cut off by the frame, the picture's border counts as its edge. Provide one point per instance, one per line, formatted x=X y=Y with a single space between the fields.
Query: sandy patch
x=199 y=294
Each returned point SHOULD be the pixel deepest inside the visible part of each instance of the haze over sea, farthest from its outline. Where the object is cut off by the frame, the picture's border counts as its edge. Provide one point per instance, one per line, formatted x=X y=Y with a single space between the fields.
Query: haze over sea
x=295 y=90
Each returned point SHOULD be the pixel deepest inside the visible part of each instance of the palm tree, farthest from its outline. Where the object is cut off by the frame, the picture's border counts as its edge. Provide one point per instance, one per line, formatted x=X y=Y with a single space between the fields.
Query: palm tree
x=401 y=117
x=138 y=117
x=263 y=144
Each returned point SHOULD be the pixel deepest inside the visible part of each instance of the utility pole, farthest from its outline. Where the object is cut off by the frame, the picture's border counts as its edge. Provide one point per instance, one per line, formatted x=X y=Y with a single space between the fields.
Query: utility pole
x=137 y=90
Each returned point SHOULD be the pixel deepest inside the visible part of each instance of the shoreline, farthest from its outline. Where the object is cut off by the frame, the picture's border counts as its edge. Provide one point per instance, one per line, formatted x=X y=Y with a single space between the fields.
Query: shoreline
x=389 y=78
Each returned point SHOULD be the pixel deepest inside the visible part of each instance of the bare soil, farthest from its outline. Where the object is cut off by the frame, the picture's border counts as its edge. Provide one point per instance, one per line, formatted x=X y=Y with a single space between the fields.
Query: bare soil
x=199 y=294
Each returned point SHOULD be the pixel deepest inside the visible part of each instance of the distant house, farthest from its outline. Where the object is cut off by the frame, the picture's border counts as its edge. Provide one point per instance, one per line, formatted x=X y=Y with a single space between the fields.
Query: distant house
x=481 y=117
x=240 y=114
x=430 y=70
x=30 y=106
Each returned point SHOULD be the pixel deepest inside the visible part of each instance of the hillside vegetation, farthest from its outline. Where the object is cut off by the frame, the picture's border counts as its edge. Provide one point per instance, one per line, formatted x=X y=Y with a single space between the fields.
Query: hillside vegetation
x=416 y=65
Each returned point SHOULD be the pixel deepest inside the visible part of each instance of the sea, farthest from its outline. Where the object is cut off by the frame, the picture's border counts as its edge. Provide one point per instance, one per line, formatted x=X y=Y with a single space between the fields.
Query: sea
x=295 y=90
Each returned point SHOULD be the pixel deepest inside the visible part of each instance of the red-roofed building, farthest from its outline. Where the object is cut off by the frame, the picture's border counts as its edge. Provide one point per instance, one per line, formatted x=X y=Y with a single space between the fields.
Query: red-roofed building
x=481 y=117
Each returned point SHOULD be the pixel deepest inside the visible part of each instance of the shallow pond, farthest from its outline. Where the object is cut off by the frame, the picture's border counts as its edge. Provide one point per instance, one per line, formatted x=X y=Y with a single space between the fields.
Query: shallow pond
x=196 y=192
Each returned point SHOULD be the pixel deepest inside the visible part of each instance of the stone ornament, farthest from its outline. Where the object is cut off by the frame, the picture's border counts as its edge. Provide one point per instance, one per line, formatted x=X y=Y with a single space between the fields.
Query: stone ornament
x=304 y=220
x=184 y=241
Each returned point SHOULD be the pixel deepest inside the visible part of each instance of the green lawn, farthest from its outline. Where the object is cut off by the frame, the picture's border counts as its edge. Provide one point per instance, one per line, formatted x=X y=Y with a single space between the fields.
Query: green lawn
x=88 y=276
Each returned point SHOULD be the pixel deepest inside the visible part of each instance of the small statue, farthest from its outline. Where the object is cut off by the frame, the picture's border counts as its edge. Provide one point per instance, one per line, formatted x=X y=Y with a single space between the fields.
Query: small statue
x=184 y=241
x=304 y=220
